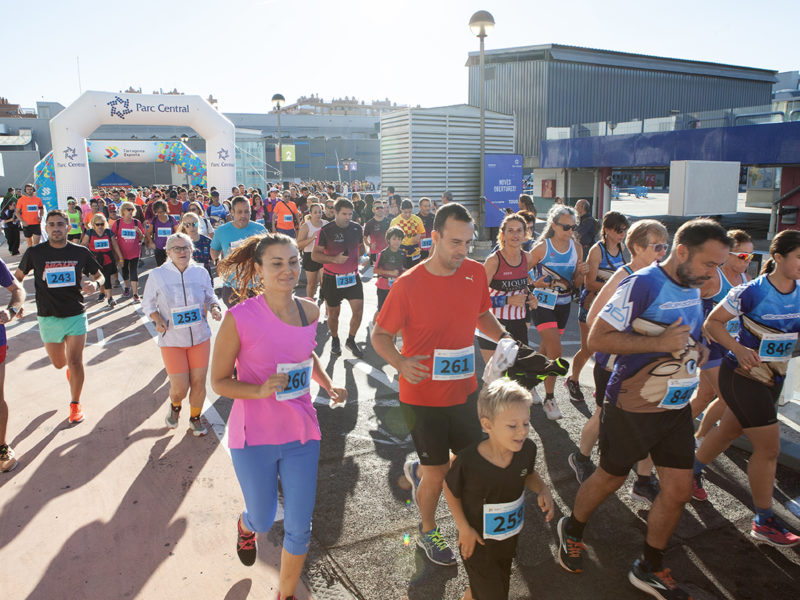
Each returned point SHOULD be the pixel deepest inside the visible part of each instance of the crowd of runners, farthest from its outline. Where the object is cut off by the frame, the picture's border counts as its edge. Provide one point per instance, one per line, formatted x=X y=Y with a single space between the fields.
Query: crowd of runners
x=675 y=329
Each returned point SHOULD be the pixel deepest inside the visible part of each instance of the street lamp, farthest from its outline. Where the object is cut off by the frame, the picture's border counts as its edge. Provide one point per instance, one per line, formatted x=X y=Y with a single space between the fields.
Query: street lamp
x=277 y=100
x=481 y=24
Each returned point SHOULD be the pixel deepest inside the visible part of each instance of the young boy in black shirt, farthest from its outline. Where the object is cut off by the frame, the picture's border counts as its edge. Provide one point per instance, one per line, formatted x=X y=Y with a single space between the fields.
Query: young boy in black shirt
x=485 y=489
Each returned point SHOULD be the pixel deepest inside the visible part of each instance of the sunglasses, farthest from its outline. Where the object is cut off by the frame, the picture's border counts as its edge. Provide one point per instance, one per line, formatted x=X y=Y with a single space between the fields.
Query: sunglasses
x=190 y=224
x=566 y=227
x=620 y=229
x=660 y=247
x=742 y=255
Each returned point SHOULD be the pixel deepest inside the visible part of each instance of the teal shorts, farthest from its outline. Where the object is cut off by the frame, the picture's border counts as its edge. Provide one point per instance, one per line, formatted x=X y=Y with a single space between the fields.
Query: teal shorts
x=54 y=329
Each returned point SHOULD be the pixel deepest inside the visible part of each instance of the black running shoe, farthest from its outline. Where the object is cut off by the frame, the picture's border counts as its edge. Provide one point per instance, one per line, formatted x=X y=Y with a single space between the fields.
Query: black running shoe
x=569 y=549
x=351 y=345
x=583 y=468
x=658 y=584
x=336 y=346
x=246 y=546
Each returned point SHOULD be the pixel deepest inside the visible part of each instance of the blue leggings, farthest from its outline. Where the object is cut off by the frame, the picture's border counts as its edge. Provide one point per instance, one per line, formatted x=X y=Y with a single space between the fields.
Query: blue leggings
x=258 y=468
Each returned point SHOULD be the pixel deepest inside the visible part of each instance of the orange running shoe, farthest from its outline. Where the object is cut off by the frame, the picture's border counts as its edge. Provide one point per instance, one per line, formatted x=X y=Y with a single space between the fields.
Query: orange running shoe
x=75 y=413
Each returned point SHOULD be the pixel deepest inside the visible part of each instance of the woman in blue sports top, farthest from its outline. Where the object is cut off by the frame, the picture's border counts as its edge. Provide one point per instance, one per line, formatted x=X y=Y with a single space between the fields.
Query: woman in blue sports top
x=752 y=373
x=559 y=259
x=731 y=274
x=604 y=258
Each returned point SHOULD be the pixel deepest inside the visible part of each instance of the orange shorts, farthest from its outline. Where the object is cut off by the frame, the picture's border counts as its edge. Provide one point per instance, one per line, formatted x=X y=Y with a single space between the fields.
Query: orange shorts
x=182 y=360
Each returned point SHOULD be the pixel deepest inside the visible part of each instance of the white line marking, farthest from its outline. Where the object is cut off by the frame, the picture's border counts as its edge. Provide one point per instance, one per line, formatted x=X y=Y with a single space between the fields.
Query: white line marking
x=119 y=338
x=100 y=336
x=376 y=374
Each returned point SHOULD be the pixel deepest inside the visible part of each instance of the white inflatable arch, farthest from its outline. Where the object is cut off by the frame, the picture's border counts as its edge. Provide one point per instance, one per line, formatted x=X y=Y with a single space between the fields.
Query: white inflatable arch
x=70 y=128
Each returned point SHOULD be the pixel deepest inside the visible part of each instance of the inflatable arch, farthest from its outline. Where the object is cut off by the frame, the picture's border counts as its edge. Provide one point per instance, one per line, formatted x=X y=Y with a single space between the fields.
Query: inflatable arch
x=69 y=129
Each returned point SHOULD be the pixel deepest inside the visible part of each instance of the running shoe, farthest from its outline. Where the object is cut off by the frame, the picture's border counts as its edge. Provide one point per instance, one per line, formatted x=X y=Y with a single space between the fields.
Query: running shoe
x=336 y=346
x=435 y=547
x=112 y=303
x=583 y=468
x=411 y=470
x=775 y=533
x=136 y=299
x=75 y=412
x=173 y=413
x=101 y=297
x=197 y=427
x=569 y=549
x=658 y=584
x=126 y=293
x=698 y=491
x=551 y=409
x=351 y=345
x=7 y=460
x=646 y=492
x=574 y=389
x=246 y=546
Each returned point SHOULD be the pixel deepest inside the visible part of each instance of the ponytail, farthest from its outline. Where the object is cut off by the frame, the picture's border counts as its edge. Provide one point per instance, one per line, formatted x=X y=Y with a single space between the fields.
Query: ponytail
x=241 y=263
x=768 y=267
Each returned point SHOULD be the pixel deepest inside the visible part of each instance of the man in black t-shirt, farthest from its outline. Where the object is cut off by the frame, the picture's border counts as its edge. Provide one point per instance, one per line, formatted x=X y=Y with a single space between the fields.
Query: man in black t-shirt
x=62 y=270
x=375 y=231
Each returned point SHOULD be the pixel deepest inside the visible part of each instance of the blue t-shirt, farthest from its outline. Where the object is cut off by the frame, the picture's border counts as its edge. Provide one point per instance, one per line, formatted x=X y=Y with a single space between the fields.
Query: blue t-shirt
x=645 y=304
x=6 y=279
x=769 y=322
x=228 y=237
x=559 y=267
x=217 y=214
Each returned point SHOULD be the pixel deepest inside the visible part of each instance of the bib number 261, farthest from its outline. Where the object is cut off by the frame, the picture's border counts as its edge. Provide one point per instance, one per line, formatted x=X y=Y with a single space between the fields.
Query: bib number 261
x=453 y=364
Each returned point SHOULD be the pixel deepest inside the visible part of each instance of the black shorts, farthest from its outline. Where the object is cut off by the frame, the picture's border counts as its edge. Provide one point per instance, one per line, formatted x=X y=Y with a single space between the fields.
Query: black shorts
x=753 y=403
x=489 y=576
x=310 y=265
x=628 y=437
x=436 y=430
x=32 y=230
x=160 y=255
x=410 y=261
x=424 y=254
x=546 y=318
x=518 y=328
x=74 y=237
x=373 y=258
x=601 y=377
x=382 y=298
x=333 y=296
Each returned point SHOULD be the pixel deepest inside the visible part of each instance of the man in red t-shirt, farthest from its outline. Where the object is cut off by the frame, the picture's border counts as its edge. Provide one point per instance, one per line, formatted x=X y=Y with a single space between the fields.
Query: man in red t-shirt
x=436 y=306
x=29 y=211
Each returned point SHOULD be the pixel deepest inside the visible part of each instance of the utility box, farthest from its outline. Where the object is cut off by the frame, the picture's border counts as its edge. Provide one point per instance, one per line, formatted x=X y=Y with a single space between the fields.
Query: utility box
x=703 y=187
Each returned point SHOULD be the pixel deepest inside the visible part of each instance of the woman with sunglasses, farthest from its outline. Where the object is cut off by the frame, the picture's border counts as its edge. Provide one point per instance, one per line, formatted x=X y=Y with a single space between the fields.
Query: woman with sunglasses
x=604 y=258
x=258 y=208
x=647 y=242
x=752 y=374
x=561 y=270
x=177 y=298
x=130 y=234
x=714 y=291
x=103 y=244
x=190 y=225
x=204 y=225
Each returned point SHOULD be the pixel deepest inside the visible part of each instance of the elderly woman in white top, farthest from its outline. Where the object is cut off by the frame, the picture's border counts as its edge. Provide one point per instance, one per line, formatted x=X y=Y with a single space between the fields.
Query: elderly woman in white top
x=178 y=296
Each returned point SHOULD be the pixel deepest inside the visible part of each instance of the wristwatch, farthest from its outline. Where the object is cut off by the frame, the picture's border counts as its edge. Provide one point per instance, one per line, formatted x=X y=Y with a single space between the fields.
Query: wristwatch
x=505 y=334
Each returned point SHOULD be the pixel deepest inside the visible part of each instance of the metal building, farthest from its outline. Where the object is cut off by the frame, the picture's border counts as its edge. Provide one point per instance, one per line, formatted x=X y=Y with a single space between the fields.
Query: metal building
x=551 y=85
x=426 y=151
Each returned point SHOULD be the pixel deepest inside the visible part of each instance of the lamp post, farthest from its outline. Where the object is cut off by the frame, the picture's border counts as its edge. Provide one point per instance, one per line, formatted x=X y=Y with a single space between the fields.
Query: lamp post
x=277 y=100
x=481 y=23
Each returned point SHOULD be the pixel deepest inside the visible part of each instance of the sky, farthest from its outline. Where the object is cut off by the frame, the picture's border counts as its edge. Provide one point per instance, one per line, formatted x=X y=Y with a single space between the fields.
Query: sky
x=410 y=51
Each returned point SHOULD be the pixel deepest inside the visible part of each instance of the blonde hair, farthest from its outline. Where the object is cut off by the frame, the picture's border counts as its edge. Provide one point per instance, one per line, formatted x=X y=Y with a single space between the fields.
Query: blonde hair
x=127 y=206
x=498 y=395
x=640 y=234
x=99 y=216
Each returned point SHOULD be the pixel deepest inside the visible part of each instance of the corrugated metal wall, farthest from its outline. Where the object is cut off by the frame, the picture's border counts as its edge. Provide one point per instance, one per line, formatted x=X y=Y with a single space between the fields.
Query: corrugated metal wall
x=427 y=151
x=550 y=93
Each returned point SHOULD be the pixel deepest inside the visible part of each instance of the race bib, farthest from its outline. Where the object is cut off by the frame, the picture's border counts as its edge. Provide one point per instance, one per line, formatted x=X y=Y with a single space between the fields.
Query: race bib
x=732 y=326
x=164 y=231
x=57 y=277
x=679 y=392
x=776 y=346
x=186 y=316
x=299 y=383
x=504 y=520
x=345 y=281
x=32 y=208
x=546 y=298
x=102 y=244
x=499 y=301
x=449 y=365
x=288 y=219
x=426 y=243
x=128 y=234
x=236 y=244
x=390 y=280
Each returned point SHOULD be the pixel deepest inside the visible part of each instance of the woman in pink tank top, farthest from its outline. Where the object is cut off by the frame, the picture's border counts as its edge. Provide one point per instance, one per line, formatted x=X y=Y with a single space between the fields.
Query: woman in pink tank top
x=273 y=431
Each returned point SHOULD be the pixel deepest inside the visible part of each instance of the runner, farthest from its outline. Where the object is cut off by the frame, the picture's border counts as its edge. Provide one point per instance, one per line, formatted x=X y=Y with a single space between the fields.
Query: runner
x=375 y=231
x=103 y=244
x=437 y=366
x=161 y=227
x=485 y=489
x=201 y=253
x=58 y=266
x=426 y=215
x=285 y=216
x=389 y=266
x=604 y=258
x=413 y=229
x=338 y=248
x=273 y=431
x=11 y=225
x=732 y=273
x=130 y=235
x=647 y=242
x=29 y=212
x=653 y=324
x=218 y=213
x=75 y=216
x=752 y=374
x=204 y=225
x=230 y=236
x=306 y=239
x=8 y=462
x=177 y=297
x=561 y=268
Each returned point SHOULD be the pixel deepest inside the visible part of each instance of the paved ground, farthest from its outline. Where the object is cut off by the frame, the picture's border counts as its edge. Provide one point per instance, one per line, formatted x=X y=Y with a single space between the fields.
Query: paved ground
x=121 y=507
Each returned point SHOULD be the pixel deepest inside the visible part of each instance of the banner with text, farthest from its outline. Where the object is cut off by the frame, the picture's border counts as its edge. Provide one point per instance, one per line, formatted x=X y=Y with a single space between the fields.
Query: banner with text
x=503 y=185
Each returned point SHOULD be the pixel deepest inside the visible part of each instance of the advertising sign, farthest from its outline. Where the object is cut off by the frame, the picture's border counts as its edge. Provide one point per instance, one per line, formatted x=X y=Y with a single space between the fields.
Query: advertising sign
x=503 y=185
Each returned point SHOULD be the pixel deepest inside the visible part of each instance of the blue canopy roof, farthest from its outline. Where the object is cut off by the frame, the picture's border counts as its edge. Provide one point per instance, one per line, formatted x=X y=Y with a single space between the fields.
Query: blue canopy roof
x=114 y=180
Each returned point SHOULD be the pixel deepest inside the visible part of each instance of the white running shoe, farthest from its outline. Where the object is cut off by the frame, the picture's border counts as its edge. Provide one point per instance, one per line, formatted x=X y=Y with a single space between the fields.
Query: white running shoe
x=551 y=409
x=537 y=399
